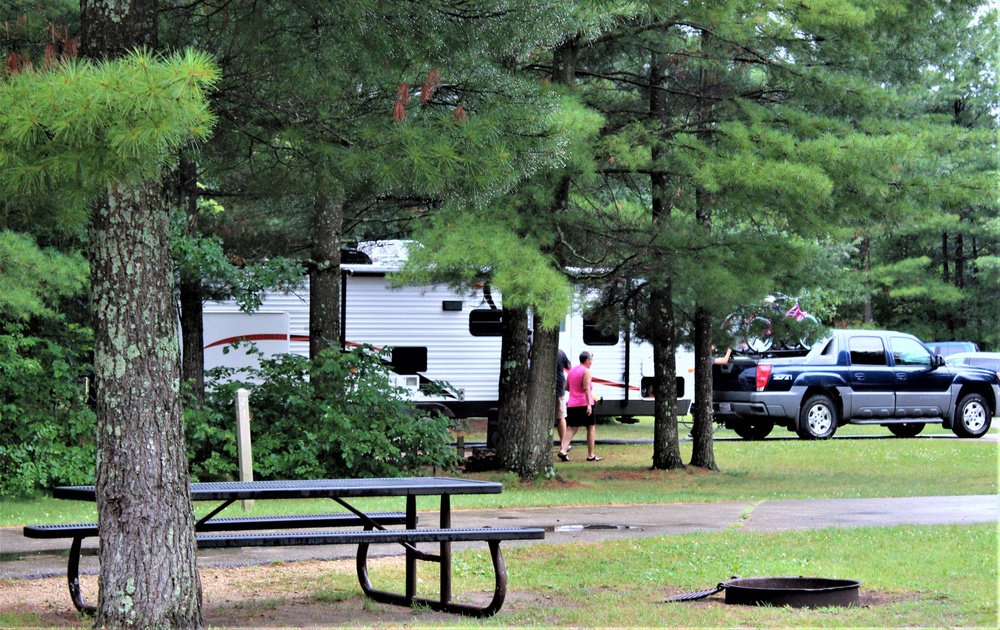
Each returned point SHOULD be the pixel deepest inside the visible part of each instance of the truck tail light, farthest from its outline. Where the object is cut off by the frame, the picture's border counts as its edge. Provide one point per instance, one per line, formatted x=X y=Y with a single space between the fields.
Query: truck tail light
x=763 y=375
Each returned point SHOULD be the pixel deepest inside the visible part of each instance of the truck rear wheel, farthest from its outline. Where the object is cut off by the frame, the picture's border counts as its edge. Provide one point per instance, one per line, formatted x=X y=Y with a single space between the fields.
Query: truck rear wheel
x=972 y=417
x=817 y=418
x=754 y=429
x=906 y=430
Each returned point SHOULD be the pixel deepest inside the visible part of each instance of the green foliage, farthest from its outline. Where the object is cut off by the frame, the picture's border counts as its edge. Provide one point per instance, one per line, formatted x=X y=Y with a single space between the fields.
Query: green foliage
x=46 y=428
x=465 y=248
x=31 y=278
x=80 y=126
x=204 y=258
x=350 y=421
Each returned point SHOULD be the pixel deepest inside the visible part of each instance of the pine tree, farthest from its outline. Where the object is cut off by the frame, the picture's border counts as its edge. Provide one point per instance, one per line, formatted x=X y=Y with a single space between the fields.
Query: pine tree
x=103 y=130
x=358 y=112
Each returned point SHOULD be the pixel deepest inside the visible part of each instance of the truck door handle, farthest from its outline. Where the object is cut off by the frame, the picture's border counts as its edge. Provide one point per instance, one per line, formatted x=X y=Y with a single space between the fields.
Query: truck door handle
x=859 y=377
x=900 y=377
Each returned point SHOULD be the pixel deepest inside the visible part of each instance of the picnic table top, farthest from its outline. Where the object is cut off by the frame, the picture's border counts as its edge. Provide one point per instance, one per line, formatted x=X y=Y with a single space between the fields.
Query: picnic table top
x=315 y=488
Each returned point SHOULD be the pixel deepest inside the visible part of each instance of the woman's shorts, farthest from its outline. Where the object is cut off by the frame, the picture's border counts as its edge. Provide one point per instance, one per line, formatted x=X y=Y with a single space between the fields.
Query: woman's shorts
x=577 y=417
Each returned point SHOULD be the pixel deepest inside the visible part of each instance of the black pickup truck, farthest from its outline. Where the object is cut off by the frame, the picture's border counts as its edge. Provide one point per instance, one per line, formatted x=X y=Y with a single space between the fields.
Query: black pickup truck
x=853 y=377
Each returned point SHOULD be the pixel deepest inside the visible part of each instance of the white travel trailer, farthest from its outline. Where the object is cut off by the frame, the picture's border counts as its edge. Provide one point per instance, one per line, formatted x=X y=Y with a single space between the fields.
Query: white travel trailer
x=436 y=334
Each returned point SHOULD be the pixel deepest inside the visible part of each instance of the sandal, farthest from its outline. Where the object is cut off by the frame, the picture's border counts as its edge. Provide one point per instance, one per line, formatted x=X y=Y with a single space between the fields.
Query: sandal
x=563 y=456
x=595 y=458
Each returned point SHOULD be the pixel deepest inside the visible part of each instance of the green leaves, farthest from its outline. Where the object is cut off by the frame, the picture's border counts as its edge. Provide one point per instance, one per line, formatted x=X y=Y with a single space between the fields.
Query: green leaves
x=465 y=248
x=81 y=126
x=354 y=422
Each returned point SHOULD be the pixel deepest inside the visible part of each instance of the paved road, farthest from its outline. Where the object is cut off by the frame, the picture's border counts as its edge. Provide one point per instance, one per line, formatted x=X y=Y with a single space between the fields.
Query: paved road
x=22 y=557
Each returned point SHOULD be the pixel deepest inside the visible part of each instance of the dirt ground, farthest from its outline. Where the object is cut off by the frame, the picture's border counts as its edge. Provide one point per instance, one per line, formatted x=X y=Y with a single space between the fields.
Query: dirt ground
x=275 y=595
x=286 y=595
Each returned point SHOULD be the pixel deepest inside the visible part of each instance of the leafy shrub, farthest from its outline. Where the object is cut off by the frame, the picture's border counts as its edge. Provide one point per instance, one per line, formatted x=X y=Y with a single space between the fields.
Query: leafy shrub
x=47 y=431
x=339 y=416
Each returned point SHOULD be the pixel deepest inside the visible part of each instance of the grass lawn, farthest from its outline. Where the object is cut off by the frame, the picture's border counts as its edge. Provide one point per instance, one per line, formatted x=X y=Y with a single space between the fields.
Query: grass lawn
x=912 y=576
x=749 y=471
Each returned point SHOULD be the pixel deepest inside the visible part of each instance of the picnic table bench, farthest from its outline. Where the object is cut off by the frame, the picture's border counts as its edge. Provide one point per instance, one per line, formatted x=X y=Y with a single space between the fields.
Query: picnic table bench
x=302 y=530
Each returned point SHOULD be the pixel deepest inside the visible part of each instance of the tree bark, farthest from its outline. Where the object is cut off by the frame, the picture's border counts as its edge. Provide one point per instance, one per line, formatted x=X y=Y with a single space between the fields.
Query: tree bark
x=324 y=276
x=703 y=451
x=536 y=452
x=866 y=266
x=512 y=430
x=192 y=336
x=945 y=274
x=112 y=28
x=149 y=575
x=960 y=260
x=190 y=288
x=666 y=446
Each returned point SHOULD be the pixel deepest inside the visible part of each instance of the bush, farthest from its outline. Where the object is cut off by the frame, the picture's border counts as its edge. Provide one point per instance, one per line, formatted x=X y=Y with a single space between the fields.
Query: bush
x=47 y=430
x=339 y=416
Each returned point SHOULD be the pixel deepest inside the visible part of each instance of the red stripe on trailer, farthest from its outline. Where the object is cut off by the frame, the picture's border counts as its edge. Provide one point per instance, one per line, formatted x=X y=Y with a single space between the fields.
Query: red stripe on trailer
x=254 y=337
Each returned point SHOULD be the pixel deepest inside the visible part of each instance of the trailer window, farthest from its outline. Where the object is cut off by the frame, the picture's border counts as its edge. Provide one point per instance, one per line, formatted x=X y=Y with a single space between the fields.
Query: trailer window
x=594 y=335
x=486 y=322
x=646 y=387
x=409 y=360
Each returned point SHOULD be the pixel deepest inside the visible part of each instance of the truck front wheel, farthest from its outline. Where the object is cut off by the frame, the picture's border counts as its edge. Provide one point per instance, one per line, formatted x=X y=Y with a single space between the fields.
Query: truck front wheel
x=754 y=429
x=973 y=417
x=817 y=418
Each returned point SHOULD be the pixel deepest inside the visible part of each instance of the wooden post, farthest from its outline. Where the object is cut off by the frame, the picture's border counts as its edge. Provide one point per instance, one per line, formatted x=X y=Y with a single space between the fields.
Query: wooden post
x=243 y=440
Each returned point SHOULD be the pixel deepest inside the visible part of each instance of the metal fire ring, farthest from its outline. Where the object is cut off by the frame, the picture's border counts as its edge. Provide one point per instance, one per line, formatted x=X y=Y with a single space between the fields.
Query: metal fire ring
x=796 y=592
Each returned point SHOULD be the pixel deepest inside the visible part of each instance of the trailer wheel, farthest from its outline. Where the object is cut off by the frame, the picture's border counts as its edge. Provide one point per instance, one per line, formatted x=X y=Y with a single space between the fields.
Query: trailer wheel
x=432 y=408
x=754 y=429
x=817 y=418
x=972 y=417
x=906 y=430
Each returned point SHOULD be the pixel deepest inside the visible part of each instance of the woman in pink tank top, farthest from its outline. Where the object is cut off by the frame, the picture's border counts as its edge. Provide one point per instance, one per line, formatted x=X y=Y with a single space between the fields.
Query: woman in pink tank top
x=580 y=408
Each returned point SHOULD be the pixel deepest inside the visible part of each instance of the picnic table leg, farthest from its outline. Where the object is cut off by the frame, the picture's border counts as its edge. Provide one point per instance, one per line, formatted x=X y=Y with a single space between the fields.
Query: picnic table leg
x=445 y=550
x=411 y=557
x=73 y=578
x=384 y=597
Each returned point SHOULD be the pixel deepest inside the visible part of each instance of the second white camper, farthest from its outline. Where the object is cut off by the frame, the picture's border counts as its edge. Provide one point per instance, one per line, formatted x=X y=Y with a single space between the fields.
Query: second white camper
x=436 y=334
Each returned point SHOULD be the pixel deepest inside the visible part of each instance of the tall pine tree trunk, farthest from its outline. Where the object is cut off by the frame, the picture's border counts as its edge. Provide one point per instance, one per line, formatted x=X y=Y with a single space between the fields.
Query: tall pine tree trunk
x=512 y=431
x=866 y=266
x=703 y=451
x=190 y=288
x=324 y=276
x=192 y=338
x=536 y=454
x=666 y=445
x=702 y=448
x=527 y=387
x=149 y=576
